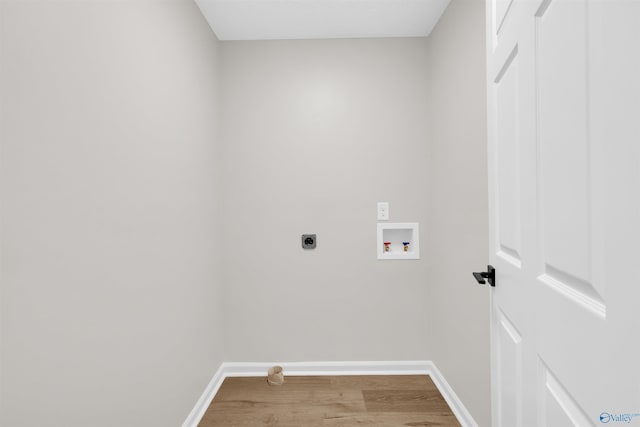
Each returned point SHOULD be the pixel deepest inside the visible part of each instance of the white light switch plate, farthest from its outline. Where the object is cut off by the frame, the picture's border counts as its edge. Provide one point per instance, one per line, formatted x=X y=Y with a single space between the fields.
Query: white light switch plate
x=383 y=211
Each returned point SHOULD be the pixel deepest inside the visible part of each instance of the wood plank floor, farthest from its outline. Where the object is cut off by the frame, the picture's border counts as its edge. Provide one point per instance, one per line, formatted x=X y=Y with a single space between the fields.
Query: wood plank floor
x=340 y=401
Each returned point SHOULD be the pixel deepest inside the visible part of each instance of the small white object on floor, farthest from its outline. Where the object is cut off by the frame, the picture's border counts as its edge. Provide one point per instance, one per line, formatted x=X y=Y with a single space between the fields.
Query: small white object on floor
x=275 y=375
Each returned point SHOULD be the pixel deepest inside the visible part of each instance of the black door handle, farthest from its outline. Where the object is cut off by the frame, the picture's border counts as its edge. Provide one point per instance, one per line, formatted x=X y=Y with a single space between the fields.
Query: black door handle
x=490 y=275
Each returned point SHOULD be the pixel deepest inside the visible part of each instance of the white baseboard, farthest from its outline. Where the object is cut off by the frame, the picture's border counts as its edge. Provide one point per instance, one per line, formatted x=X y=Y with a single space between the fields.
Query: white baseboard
x=462 y=414
x=420 y=367
x=203 y=403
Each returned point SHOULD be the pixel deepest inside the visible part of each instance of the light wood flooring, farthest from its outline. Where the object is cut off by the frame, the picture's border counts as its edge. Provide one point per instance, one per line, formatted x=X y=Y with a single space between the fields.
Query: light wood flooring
x=384 y=401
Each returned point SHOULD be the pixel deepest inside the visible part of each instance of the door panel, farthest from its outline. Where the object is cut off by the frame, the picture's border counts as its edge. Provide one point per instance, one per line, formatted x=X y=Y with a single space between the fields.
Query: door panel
x=508 y=190
x=557 y=407
x=509 y=372
x=563 y=142
x=501 y=8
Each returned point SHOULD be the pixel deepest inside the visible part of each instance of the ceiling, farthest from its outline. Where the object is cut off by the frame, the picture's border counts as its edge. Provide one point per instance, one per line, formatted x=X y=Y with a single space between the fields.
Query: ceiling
x=320 y=19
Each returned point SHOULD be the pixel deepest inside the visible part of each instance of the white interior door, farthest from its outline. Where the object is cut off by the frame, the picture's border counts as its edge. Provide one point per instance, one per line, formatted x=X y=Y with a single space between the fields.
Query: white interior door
x=564 y=166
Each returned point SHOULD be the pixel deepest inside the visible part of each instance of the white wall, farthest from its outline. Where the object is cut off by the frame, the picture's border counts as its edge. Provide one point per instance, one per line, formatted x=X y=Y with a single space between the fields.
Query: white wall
x=110 y=249
x=457 y=212
x=114 y=170
x=315 y=133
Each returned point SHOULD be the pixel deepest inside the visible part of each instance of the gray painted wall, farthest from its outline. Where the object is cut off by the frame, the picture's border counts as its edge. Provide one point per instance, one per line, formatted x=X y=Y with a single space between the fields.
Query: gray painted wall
x=457 y=212
x=144 y=241
x=110 y=246
x=315 y=133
